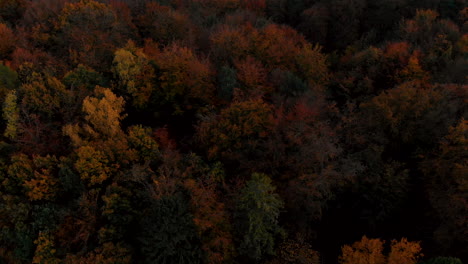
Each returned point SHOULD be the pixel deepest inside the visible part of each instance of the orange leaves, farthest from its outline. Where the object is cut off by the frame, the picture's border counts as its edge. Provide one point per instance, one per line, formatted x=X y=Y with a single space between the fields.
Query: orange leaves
x=42 y=187
x=369 y=251
x=211 y=220
x=404 y=252
x=45 y=250
x=274 y=46
x=413 y=71
x=253 y=76
x=397 y=51
x=366 y=251
x=37 y=176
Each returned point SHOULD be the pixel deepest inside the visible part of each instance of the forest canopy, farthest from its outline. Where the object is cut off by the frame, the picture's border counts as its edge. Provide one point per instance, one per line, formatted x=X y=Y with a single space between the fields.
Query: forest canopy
x=233 y=131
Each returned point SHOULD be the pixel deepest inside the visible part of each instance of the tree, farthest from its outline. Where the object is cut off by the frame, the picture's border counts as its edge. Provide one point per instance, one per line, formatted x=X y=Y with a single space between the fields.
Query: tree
x=102 y=116
x=315 y=23
x=8 y=41
x=211 y=220
x=132 y=67
x=45 y=96
x=93 y=166
x=185 y=82
x=36 y=177
x=253 y=80
x=91 y=30
x=45 y=250
x=8 y=81
x=227 y=83
x=370 y=251
x=447 y=187
x=257 y=213
x=166 y=25
x=168 y=234
x=11 y=115
x=366 y=251
x=237 y=132
x=119 y=212
x=85 y=78
x=294 y=252
x=404 y=252
x=443 y=260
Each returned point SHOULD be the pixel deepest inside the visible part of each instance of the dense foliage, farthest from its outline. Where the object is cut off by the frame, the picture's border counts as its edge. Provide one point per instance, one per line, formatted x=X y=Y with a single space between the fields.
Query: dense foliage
x=233 y=131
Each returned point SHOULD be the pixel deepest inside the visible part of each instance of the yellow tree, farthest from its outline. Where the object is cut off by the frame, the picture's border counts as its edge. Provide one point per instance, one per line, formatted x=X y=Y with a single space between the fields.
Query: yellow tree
x=102 y=146
x=132 y=68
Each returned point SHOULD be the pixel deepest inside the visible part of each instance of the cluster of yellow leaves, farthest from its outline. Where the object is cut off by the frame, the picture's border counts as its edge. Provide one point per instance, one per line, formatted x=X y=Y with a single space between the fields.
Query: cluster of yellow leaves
x=139 y=138
x=11 y=115
x=42 y=187
x=90 y=9
x=45 y=250
x=93 y=165
x=44 y=95
x=132 y=67
x=103 y=114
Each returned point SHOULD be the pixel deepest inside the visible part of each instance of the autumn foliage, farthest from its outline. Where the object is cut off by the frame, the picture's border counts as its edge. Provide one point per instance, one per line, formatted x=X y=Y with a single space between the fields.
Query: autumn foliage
x=233 y=131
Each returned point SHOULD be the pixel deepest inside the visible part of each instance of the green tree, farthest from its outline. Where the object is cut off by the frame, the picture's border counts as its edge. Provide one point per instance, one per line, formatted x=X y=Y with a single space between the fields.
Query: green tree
x=258 y=209
x=168 y=233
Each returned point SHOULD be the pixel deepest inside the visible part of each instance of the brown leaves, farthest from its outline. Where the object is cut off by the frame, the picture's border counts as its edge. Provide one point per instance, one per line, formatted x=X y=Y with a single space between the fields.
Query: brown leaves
x=211 y=220
x=237 y=129
x=7 y=43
